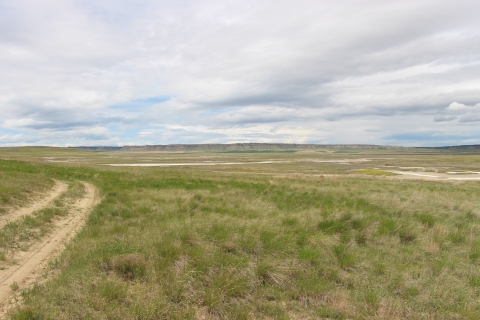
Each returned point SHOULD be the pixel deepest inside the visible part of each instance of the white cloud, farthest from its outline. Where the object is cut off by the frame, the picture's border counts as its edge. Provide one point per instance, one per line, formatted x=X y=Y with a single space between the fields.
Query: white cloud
x=462 y=108
x=444 y=118
x=239 y=70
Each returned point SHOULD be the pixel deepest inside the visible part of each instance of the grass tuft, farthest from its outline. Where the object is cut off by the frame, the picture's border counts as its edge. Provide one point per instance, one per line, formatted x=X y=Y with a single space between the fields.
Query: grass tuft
x=130 y=266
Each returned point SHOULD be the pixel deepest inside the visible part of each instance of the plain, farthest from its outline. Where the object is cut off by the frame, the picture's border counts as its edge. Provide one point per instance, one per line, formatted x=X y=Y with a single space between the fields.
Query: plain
x=283 y=235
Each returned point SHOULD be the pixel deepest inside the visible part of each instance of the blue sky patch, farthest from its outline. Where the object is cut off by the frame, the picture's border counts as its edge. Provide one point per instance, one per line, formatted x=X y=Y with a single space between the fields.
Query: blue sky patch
x=139 y=104
x=11 y=131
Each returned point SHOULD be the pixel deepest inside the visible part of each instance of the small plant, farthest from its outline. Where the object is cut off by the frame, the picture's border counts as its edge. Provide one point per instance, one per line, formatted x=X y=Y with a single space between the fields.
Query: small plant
x=379 y=268
x=372 y=298
x=25 y=313
x=309 y=254
x=456 y=237
x=426 y=219
x=264 y=273
x=290 y=222
x=333 y=226
x=14 y=286
x=112 y=291
x=387 y=227
x=474 y=251
x=406 y=235
x=345 y=259
x=361 y=238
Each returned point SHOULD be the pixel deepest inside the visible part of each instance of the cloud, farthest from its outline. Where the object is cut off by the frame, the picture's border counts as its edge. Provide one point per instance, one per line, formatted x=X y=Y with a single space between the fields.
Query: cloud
x=444 y=118
x=470 y=118
x=463 y=113
x=462 y=108
x=232 y=70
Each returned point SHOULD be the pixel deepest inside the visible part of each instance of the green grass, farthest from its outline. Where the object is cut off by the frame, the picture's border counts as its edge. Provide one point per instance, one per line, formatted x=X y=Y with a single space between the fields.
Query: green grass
x=231 y=243
x=376 y=172
x=20 y=183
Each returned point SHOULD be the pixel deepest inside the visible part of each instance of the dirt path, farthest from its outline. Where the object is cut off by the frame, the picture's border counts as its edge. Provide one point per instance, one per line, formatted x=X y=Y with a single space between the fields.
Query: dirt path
x=31 y=263
x=58 y=189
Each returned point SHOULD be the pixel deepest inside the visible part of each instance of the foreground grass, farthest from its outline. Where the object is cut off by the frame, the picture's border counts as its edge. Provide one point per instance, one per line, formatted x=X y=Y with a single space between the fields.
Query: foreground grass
x=181 y=243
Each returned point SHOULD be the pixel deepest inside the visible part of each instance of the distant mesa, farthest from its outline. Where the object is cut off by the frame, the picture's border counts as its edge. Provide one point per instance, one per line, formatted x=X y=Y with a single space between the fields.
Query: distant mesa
x=261 y=146
x=235 y=146
x=463 y=147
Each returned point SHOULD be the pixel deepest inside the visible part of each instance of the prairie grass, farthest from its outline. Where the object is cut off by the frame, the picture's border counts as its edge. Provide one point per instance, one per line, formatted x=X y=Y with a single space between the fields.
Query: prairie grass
x=207 y=243
x=20 y=184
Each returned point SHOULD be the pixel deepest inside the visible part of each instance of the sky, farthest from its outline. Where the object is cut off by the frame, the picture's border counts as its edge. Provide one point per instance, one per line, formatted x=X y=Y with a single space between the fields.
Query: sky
x=133 y=72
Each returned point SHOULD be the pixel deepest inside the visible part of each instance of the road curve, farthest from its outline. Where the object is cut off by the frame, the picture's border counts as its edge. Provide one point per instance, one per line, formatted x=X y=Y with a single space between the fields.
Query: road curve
x=31 y=262
x=59 y=188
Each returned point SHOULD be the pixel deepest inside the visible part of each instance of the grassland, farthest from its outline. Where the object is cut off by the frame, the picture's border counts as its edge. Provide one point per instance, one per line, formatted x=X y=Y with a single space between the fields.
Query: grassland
x=306 y=238
x=20 y=184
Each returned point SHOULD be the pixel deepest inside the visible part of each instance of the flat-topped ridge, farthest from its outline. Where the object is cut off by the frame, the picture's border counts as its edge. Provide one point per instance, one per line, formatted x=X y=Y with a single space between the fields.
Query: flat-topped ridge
x=235 y=146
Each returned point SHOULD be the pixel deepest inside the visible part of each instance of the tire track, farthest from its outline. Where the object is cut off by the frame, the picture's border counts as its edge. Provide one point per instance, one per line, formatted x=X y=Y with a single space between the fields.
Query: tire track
x=31 y=262
x=59 y=188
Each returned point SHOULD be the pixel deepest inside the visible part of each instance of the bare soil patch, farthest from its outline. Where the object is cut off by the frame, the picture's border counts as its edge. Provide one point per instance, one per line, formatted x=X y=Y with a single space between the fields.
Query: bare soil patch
x=438 y=176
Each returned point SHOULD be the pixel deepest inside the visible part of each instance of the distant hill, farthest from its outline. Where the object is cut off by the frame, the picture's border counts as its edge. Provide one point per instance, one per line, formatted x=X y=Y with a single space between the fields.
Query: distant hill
x=235 y=146
x=99 y=148
x=464 y=147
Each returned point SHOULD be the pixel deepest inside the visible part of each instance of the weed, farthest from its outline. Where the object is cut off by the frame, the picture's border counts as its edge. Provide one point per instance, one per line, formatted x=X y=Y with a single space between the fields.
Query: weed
x=14 y=286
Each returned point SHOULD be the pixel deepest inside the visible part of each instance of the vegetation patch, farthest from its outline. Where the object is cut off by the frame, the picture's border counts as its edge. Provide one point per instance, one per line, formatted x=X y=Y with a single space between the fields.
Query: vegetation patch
x=271 y=242
x=376 y=172
x=20 y=184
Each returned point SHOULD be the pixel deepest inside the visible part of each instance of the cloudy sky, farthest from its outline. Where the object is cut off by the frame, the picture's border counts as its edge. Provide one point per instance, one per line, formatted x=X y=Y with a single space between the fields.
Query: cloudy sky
x=119 y=72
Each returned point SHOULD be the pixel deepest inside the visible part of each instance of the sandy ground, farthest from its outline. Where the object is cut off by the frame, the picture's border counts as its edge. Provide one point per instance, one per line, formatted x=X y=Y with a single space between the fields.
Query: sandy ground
x=32 y=265
x=439 y=176
x=58 y=189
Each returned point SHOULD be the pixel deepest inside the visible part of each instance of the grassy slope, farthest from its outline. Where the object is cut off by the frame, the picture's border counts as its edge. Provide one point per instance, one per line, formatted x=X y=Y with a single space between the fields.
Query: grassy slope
x=186 y=243
x=20 y=183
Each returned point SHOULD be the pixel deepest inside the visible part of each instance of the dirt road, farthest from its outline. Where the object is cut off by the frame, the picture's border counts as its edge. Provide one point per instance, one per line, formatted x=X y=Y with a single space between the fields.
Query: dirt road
x=58 y=189
x=31 y=263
